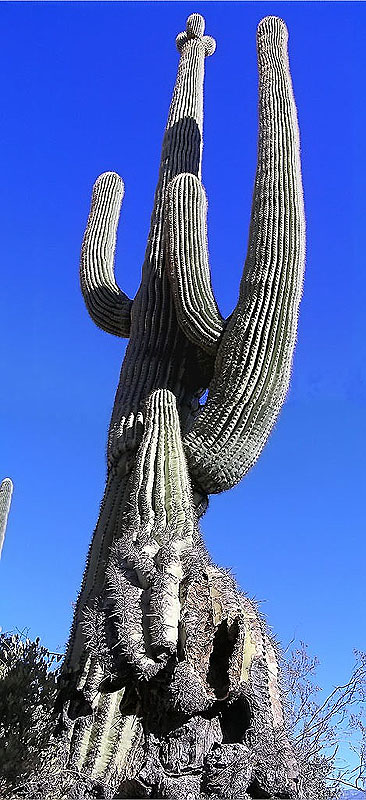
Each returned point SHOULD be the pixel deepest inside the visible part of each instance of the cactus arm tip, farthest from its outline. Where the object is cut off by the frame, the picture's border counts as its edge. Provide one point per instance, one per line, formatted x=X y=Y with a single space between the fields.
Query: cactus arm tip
x=272 y=27
x=108 y=306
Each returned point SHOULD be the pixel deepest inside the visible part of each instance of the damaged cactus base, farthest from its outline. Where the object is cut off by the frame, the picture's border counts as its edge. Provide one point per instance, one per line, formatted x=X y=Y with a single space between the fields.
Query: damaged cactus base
x=209 y=725
x=170 y=687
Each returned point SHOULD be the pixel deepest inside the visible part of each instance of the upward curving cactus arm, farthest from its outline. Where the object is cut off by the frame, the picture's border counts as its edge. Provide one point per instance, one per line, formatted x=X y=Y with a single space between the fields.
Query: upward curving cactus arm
x=161 y=489
x=6 y=491
x=253 y=363
x=187 y=264
x=108 y=306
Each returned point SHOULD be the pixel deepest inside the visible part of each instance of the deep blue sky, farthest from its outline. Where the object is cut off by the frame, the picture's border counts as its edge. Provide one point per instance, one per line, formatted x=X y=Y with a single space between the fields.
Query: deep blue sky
x=86 y=88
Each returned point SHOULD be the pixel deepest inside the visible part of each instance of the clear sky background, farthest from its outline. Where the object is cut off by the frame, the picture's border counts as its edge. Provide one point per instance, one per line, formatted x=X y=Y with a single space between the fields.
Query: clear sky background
x=86 y=88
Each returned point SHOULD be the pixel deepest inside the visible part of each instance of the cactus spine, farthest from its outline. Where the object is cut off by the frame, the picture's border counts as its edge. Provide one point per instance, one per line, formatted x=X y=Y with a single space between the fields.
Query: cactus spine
x=170 y=685
x=6 y=491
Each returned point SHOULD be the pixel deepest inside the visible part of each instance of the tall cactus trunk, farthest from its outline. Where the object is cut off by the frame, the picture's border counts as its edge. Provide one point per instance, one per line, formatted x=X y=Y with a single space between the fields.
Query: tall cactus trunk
x=171 y=685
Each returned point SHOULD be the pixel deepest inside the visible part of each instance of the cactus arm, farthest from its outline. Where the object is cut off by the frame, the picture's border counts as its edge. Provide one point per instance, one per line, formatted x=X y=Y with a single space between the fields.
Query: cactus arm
x=187 y=264
x=145 y=569
x=165 y=490
x=253 y=363
x=161 y=483
x=6 y=491
x=108 y=306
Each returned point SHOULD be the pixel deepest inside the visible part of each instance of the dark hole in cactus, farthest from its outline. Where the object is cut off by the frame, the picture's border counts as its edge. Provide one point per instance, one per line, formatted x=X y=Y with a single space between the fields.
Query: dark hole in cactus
x=132 y=788
x=79 y=706
x=255 y=791
x=180 y=646
x=130 y=701
x=235 y=720
x=223 y=646
x=112 y=684
x=97 y=792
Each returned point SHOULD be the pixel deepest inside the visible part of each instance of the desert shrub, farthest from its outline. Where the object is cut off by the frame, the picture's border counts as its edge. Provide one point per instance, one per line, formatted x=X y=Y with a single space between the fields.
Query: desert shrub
x=27 y=694
x=33 y=761
x=323 y=727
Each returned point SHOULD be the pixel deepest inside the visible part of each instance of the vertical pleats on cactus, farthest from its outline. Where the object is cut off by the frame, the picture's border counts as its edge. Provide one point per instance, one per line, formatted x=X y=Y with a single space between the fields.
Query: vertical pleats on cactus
x=171 y=683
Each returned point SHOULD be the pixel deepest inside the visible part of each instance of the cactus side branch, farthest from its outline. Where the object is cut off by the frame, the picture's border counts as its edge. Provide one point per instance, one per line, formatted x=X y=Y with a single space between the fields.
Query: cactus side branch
x=108 y=306
x=187 y=263
x=157 y=532
x=252 y=369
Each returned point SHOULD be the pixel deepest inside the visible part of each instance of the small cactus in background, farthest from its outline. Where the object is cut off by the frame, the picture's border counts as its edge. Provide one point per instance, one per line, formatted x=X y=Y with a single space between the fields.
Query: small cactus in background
x=6 y=491
x=170 y=685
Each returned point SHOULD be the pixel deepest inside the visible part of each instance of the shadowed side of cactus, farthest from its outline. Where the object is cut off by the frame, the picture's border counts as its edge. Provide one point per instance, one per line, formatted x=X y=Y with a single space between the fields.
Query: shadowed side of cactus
x=6 y=491
x=171 y=684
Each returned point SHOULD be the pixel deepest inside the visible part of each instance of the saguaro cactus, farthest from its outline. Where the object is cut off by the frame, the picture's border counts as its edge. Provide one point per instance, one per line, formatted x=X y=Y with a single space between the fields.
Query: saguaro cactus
x=170 y=686
x=6 y=491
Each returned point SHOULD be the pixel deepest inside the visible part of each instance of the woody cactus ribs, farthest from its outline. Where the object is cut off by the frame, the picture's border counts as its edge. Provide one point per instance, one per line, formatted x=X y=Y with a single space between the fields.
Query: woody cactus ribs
x=170 y=686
